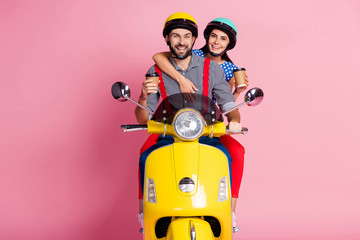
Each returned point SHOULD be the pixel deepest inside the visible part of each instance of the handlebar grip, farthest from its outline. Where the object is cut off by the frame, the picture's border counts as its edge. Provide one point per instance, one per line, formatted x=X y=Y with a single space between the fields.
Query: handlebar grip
x=132 y=126
x=244 y=130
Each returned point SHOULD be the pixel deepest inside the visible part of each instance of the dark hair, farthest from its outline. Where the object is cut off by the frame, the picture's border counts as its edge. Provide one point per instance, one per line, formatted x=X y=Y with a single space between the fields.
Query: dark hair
x=205 y=49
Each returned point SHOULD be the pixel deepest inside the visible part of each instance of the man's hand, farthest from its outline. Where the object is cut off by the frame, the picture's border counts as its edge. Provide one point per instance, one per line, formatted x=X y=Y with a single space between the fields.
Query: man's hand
x=235 y=127
x=147 y=88
x=234 y=121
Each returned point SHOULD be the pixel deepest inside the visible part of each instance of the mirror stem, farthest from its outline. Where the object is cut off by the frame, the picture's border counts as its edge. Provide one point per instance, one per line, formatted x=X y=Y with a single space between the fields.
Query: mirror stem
x=231 y=109
x=138 y=104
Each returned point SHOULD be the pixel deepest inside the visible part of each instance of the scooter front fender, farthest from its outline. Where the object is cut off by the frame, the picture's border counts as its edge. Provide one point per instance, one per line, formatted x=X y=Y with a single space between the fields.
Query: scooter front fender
x=189 y=229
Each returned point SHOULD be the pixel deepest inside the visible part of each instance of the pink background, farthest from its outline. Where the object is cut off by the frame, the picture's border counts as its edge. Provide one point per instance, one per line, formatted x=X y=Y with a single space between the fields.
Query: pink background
x=68 y=172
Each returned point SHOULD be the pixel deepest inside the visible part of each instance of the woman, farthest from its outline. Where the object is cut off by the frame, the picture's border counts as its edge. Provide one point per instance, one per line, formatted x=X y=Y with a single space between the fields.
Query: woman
x=220 y=35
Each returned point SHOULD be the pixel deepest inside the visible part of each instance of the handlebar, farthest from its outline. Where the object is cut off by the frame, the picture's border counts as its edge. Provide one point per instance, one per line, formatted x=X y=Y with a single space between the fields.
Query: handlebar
x=137 y=127
x=133 y=127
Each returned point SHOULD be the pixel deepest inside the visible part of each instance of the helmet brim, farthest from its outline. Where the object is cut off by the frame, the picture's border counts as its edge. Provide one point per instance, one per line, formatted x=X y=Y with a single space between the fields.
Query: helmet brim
x=181 y=23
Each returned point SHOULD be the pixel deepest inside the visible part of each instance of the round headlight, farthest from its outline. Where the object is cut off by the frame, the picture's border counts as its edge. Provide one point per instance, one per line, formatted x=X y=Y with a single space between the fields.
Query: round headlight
x=189 y=125
x=186 y=184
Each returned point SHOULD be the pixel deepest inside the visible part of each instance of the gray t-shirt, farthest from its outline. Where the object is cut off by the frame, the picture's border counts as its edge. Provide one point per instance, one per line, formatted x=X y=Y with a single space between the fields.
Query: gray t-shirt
x=194 y=73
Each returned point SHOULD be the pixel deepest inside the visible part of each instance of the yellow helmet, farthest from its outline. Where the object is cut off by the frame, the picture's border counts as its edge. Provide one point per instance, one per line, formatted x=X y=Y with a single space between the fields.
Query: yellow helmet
x=180 y=20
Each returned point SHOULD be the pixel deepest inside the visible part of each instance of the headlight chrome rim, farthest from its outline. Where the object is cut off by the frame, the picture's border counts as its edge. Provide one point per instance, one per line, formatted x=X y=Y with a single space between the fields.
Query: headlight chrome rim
x=196 y=116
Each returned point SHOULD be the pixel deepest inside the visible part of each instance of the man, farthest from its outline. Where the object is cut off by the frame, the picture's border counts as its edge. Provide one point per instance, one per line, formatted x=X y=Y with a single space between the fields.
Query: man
x=180 y=32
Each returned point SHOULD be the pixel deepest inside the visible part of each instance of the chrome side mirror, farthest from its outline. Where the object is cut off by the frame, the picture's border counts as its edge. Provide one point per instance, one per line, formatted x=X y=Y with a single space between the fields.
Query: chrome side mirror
x=254 y=97
x=120 y=91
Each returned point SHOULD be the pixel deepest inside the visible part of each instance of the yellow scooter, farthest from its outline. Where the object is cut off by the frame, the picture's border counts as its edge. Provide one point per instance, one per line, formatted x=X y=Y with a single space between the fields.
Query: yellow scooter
x=186 y=185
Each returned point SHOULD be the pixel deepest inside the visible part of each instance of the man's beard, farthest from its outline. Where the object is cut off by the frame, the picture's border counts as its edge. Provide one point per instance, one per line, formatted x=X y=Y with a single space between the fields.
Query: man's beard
x=172 y=50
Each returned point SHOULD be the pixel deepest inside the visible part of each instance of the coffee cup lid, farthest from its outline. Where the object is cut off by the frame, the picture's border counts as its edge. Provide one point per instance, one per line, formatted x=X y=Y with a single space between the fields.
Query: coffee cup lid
x=155 y=74
x=239 y=69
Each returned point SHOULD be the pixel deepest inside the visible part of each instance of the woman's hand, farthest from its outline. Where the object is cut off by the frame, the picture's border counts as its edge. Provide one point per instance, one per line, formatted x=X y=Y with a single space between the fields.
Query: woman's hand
x=237 y=91
x=186 y=86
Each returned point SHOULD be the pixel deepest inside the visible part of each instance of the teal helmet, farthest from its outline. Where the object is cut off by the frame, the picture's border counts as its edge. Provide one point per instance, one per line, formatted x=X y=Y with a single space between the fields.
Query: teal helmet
x=225 y=25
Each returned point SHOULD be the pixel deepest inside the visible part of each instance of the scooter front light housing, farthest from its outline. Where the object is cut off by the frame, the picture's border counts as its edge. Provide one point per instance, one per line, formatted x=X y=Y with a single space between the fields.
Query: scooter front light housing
x=151 y=193
x=188 y=124
x=186 y=185
x=223 y=190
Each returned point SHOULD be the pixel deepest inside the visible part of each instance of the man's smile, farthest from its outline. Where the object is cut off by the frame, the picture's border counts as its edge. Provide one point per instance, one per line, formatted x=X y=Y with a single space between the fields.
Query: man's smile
x=181 y=48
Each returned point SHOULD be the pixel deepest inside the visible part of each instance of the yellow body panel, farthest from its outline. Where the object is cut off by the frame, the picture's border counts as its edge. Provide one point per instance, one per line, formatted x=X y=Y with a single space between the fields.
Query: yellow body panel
x=202 y=163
